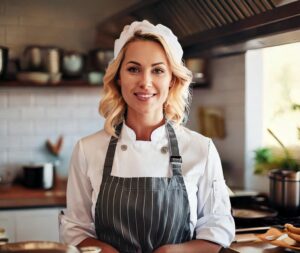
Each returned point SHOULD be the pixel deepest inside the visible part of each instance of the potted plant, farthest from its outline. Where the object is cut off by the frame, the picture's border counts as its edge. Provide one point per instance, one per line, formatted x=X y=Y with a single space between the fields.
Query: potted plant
x=284 y=177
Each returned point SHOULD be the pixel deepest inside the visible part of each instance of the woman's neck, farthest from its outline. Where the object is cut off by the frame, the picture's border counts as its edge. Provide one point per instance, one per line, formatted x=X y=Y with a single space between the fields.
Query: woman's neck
x=144 y=126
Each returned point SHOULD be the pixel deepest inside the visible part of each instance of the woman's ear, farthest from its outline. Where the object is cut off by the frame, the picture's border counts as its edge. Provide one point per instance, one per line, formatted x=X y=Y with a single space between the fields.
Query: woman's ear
x=172 y=83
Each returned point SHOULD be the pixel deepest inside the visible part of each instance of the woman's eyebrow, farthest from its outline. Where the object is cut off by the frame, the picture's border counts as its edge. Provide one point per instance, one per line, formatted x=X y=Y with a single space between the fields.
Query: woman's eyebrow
x=137 y=63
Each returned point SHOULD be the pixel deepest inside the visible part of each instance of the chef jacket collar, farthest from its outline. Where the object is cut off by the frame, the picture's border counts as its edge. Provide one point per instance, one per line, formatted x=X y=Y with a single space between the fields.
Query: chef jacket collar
x=156 y=135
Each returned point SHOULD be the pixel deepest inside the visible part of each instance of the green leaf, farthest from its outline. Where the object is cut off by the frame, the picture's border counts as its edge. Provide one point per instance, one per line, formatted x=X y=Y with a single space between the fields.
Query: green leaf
x=263 y=155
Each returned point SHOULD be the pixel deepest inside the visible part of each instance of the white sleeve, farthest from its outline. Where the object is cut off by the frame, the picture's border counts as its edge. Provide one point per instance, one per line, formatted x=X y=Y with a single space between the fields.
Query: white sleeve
x=214 y=222
x=77 y=223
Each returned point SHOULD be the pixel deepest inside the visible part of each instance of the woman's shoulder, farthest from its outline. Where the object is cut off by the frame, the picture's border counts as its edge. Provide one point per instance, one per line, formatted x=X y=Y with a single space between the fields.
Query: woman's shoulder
x=95 y=140
x=192 y=136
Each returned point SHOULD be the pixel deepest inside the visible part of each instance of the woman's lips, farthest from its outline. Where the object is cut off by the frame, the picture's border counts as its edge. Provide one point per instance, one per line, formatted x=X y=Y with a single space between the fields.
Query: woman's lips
x=144 y=96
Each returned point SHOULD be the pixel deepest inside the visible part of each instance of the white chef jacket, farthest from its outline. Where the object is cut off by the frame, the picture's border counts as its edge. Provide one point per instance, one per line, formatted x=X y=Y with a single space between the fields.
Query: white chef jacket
x=210 y=215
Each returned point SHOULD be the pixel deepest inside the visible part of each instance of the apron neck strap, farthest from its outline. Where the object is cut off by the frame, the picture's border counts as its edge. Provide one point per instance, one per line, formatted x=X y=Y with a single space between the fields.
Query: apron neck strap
x=175 y=158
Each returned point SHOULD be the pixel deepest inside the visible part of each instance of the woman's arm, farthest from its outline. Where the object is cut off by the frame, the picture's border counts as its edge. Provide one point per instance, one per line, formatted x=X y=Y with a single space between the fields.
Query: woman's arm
x=194 y=246
x=105 y=248
x=77 y=222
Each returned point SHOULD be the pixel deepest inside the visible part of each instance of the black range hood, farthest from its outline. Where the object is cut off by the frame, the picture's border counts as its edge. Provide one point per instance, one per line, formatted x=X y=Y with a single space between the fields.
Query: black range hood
x=213 y=27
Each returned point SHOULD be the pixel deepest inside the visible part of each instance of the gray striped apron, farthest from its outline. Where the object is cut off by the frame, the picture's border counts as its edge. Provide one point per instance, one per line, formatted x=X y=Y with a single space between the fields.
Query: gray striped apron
x=140 y=214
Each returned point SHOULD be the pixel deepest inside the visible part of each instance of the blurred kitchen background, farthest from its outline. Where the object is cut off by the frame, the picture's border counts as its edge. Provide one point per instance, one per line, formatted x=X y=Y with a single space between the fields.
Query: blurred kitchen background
x=232 y=83
x=242 y=53
x=245 y=57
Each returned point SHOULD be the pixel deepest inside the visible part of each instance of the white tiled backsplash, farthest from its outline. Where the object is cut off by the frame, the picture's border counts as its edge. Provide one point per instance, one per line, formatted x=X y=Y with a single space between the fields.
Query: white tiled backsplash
x=28 y=117
x=227 y=91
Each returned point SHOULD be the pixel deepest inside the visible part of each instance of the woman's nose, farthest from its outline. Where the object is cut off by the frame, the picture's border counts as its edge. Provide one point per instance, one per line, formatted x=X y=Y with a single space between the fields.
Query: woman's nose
x=146 y=80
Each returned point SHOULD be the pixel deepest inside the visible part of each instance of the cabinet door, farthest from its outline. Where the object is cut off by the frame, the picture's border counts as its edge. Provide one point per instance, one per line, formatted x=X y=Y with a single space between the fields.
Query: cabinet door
x=7 y=221
x=37 y=224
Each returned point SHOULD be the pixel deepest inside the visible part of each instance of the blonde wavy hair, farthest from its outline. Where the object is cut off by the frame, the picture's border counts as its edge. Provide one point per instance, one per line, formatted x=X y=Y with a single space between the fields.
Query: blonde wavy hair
x=113 y=107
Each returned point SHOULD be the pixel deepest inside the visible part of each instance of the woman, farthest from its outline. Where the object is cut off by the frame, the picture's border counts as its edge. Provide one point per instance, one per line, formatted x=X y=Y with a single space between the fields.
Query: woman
x=146 y=183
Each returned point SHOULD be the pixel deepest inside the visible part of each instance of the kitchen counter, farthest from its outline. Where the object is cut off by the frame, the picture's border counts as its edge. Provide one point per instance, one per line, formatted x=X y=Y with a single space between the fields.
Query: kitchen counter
x=17 y=196
x=256 y=247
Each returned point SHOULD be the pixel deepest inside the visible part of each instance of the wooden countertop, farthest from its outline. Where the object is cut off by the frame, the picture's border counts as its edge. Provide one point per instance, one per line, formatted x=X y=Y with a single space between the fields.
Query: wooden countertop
x=18 y=196
x=256 y=247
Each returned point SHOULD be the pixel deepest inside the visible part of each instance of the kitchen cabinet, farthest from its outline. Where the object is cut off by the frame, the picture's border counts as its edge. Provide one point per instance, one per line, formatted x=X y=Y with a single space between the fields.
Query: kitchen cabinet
x=31 y=224
x=8 y=223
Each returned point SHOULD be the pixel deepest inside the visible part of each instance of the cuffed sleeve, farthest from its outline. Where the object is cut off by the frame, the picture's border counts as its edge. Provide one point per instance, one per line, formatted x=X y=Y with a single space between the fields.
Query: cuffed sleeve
x=77 y=222
x=214 y=222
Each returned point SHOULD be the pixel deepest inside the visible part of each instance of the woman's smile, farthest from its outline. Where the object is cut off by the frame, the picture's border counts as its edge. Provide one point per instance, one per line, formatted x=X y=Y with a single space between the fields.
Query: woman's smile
x=142 y=96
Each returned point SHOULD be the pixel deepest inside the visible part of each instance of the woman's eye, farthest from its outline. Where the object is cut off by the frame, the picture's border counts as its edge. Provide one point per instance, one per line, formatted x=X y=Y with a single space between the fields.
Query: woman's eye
x=158 y=71
x=133 y=69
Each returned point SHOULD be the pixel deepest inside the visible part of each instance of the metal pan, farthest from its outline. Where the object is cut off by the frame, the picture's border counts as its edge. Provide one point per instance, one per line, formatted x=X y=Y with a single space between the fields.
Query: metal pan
x=255 y=212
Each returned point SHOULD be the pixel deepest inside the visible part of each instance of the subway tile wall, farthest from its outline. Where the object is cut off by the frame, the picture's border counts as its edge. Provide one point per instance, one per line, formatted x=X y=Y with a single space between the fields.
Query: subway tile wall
x=28 y=117
x=226 y=91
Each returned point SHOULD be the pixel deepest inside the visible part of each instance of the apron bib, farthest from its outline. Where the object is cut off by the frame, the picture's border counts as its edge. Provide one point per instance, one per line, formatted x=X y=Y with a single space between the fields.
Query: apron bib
x=140 y=214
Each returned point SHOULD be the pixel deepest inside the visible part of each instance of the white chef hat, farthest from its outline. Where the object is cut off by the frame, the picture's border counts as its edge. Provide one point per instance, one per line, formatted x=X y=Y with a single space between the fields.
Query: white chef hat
x=145 y=27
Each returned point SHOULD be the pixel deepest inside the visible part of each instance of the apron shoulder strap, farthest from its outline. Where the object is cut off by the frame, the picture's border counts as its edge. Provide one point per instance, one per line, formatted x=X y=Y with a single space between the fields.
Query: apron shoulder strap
x=110 y=153
x=175 y=157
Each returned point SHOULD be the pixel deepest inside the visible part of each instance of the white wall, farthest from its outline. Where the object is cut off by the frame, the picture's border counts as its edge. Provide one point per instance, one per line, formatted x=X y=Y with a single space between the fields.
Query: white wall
x=29 y=116
x=227 y=91
x=254 y=119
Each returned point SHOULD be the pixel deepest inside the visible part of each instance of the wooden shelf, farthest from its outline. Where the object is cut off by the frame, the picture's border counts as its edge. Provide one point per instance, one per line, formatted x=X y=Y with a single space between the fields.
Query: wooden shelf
x=61 y=84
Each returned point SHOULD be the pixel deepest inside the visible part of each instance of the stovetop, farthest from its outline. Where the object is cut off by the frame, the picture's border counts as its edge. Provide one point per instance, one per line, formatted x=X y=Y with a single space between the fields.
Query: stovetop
x=260 y=224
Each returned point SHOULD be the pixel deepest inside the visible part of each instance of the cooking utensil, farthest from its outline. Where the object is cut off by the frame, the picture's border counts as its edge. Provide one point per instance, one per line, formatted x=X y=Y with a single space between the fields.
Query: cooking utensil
x=3 y=61
x=39 y=175
x=72 y=64
x=254 y=212
x=33 y=58
x=35 y=77
x=42 y=59
x=52 y=60
x=285 y=191
x=99 y=59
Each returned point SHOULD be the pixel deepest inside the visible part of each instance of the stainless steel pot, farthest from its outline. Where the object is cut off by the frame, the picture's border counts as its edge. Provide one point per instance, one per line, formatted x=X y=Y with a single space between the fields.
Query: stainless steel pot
x=99 y=59
x=45 y=247
x=41 y=58
x=33 y=58
x=285 y=191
